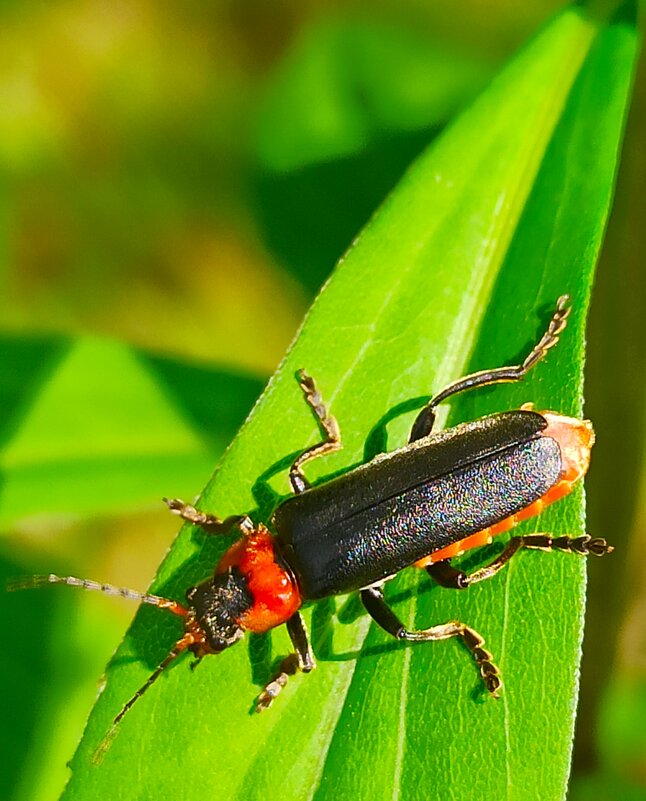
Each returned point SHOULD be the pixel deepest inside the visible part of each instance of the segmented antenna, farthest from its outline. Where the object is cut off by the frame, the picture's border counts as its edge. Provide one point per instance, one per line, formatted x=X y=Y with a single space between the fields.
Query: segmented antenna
x=190 y=637
x=30 y=582
x=181 y=645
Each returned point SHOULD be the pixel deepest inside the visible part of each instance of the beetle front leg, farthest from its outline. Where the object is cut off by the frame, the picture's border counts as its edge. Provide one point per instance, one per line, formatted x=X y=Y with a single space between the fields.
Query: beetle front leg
x=376 y=606
x=448 y=576
x=423 y=424
x=328 y=425
x=301 y=660
x=208 y=522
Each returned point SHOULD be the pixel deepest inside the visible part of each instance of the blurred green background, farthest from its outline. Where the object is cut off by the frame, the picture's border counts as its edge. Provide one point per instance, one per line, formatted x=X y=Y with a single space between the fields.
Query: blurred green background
x=178 y=181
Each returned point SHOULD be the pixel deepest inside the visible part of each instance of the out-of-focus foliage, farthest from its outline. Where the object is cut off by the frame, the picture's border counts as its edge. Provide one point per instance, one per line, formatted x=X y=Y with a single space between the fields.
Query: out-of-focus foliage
x=178 y=181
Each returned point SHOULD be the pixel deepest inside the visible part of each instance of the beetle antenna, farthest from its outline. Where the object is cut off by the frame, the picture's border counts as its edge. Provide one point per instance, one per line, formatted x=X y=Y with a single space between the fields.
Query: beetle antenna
x=30 y=582
x=181 y=645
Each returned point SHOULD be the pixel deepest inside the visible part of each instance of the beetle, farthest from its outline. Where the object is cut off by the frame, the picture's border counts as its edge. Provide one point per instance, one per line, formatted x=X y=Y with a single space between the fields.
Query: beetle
x=423 y=504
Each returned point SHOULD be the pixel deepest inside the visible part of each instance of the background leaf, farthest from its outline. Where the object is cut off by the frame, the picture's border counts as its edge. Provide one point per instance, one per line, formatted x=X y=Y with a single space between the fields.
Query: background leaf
x=491 y=225
x=382 y=93
x=117 y=424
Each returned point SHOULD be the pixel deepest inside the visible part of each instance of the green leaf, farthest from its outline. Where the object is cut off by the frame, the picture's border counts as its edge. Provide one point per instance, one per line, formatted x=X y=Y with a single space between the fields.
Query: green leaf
x=459 y=269
x=118 y=425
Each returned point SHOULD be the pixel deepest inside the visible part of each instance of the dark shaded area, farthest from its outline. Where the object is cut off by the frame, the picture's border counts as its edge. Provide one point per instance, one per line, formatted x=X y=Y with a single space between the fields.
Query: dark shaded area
x=26 y=623
x=27 y=364
x=309 y=217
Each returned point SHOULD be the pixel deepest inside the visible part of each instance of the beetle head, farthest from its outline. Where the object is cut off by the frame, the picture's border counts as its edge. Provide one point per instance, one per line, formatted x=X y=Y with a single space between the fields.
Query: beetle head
x=216 y=606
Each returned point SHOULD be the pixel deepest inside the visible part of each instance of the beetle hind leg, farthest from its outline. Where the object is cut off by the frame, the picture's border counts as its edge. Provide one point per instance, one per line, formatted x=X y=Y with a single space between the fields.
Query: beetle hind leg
x=375 y=603
x=448 y=576
x=329 y=428
x=424 y=421
x=584 y=545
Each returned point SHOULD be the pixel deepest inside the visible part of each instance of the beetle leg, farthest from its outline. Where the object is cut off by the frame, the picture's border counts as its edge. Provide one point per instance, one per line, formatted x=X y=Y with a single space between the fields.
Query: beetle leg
x=583 y=545
x=448 y=576
x=302 y=659
x=474 y=642
x=329 y=428
x=375 y=603
x=209 y=523
x=424 y=422
x=454 y=579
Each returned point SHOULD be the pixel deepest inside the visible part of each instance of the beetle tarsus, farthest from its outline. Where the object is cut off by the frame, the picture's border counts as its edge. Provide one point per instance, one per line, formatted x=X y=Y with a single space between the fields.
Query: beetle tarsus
x=329 y=428
x=474 y=642
x=208 y=522
x=288 y=667
x=583 y=545
x=377 y=607
x=424 y=421
x=300 y=660
x=454 y=579
x=551 y=336
x=490 y=676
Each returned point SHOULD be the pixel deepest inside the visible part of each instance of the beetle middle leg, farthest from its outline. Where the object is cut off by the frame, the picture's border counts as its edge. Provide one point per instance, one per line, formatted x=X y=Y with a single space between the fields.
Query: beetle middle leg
x=301 y=660
x=424 y=421
x=329 y=427
x=376 y=606
x=448 y=576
